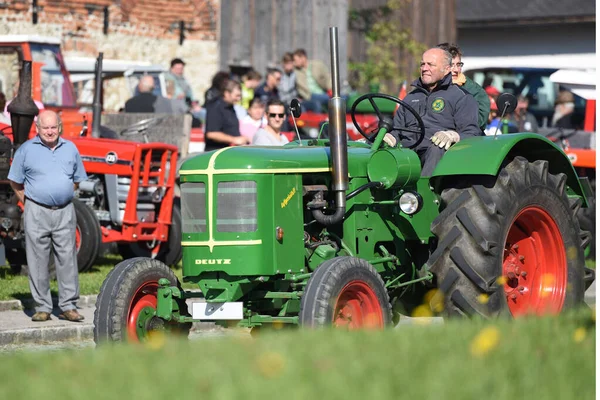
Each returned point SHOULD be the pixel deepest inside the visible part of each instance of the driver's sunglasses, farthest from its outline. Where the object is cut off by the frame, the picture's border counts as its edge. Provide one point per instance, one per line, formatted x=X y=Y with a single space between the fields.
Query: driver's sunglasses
x=457 y=65
x=271 y=115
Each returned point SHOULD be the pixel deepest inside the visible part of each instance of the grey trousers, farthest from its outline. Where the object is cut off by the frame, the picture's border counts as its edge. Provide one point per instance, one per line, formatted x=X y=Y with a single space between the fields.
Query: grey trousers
x=429 y=154
x=45 y=231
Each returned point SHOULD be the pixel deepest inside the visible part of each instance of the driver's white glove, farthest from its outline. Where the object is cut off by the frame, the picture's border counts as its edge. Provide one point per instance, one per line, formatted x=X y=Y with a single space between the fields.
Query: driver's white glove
x=389 y=139
x=445 y=139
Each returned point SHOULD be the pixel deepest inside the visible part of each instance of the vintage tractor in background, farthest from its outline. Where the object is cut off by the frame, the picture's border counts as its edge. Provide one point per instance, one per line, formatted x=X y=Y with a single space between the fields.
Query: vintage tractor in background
x=128 y=199
x=330 y=232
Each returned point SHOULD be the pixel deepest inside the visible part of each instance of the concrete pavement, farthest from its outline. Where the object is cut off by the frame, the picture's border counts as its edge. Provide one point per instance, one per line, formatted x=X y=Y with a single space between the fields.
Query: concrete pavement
x=16 y=326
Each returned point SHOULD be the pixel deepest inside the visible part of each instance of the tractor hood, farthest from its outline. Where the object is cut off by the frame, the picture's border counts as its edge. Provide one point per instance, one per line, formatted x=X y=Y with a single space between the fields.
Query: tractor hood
x=98 y=149
x=289 y=159
x=116 y=156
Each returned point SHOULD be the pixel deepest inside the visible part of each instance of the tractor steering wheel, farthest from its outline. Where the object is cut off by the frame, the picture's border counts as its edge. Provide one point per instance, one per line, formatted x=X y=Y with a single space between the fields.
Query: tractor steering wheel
x=370 y=96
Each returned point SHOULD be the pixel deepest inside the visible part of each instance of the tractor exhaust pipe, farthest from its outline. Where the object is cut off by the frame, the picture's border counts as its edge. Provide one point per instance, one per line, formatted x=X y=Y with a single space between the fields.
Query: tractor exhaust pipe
x=22 y=109
x=338 y=140
x=97 y=105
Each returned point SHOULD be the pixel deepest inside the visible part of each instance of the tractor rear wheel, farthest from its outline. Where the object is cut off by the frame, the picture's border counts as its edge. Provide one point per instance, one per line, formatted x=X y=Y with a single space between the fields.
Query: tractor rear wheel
x=587 y=222
x=126 y=304
x=169 y=252
x=87 y=236
x=345 y=292
x=509 y=245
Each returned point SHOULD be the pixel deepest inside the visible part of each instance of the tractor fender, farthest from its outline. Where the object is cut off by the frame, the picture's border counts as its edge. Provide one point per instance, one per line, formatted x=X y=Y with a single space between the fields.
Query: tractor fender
x=485 y=155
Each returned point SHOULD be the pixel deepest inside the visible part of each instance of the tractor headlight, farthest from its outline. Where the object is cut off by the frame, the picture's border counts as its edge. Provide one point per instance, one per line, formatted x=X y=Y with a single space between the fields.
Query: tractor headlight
x=410 y=202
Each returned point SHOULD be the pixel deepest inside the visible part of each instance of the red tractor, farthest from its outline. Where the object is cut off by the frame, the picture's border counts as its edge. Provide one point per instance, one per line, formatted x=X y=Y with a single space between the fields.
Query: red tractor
x=129 y=197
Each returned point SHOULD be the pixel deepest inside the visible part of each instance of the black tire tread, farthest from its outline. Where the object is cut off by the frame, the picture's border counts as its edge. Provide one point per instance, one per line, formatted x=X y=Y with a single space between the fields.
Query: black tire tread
x=317 y=296
x=466 y=259
x=91 y=244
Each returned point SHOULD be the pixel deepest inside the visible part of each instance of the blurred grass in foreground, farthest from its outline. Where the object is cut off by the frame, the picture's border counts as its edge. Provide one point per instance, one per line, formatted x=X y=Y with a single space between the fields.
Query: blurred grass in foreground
x=548 y=358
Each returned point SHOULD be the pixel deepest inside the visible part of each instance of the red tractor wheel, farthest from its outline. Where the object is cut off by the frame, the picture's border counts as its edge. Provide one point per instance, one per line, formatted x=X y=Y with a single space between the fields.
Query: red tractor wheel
x=535 y=264
x=348 y=293
x=509 y=244
x=126 y=304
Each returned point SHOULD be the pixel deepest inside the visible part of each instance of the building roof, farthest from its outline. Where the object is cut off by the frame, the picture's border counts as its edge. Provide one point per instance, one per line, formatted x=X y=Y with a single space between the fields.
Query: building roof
x=475 y=12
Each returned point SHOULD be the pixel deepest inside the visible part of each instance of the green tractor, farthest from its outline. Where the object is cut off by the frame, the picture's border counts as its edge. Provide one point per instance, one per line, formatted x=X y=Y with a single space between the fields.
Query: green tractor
x=336 y=233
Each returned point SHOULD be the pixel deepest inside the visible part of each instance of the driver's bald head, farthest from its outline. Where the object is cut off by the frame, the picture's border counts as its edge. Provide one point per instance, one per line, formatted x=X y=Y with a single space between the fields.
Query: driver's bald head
x=444 y=56
x=435 y=64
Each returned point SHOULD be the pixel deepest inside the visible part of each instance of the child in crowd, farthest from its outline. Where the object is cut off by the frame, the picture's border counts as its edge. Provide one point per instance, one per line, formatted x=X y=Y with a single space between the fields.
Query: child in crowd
x=255 y=119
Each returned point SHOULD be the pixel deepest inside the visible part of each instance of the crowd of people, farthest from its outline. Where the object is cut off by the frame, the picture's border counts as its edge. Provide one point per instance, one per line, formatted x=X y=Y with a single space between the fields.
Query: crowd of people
x=246 y=110
x=310 y=82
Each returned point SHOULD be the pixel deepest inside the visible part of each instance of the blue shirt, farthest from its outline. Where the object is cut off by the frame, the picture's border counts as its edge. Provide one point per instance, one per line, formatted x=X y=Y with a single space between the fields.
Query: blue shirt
x=48 y=175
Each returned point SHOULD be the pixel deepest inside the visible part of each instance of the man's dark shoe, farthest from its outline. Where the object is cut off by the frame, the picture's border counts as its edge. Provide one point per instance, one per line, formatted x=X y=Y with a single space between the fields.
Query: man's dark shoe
x=41 y=316
x=71 y=315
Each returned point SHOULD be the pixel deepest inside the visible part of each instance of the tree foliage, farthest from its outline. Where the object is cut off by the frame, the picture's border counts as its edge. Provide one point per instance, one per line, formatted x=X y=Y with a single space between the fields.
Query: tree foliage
x=385 y=41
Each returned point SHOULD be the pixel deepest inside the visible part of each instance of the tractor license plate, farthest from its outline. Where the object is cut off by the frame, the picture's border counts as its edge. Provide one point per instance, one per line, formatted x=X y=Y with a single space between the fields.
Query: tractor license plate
x=225 y=311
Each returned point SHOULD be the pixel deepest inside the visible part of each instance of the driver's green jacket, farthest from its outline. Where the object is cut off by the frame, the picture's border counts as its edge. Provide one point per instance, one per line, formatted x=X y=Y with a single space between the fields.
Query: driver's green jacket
x=483 y=101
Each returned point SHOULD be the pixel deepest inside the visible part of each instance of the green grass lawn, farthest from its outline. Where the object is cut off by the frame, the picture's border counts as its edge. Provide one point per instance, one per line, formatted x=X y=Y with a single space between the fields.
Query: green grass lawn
x=17 y=287
x=549 y=358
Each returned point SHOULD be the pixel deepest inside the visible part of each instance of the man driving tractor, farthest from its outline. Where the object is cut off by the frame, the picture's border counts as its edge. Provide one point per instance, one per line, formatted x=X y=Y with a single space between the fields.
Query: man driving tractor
x=449 y=112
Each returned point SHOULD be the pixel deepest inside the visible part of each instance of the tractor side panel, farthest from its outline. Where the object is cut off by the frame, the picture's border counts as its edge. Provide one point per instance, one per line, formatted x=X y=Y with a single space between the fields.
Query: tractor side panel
x=287 y=217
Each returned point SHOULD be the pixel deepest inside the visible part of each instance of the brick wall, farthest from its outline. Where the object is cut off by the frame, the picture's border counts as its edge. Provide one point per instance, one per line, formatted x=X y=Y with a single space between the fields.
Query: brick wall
x=140 y=30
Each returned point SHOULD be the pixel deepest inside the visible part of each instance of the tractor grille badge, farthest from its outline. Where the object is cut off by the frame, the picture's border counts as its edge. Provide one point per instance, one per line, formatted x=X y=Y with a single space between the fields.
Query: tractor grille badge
x=111 y=158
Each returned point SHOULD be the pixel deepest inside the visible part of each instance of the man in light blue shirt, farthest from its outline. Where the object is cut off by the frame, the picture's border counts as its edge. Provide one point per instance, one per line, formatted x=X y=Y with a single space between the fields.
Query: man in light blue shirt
x=44 y=174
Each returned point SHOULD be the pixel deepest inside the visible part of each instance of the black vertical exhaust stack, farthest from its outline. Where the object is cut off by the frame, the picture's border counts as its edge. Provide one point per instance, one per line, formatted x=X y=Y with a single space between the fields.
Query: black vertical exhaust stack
x=22 y=108
x=97 y=105
x=338 y=140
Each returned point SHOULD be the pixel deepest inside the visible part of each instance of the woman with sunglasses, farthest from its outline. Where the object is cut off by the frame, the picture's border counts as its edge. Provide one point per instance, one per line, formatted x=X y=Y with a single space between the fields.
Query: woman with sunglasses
x=271 y=135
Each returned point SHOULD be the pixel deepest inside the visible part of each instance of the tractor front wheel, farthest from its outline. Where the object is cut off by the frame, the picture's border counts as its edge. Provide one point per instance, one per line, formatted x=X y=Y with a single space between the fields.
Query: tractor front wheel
x=509 y=245
x=348 y=293
x=126 y=304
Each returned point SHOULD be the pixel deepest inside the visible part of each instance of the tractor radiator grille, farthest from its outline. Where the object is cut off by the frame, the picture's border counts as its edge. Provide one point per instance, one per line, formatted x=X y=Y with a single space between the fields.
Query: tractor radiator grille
x=193 y=207
x=236 y=206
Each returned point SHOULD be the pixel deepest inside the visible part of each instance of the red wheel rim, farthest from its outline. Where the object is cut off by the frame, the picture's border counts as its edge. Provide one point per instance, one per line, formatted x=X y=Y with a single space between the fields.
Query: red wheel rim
x=77 y=238
x=535 y=264
x=357 y=307
x=143 y=300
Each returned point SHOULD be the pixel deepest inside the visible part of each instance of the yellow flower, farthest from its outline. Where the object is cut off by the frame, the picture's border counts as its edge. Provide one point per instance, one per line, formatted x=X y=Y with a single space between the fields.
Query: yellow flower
x=422 y=311
x=485 y=341
x=483 y=298
x=156 y=340
x=270 y=364
x=572 y=253
x=579 y=335
x=435 y=299
x=501 y=280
